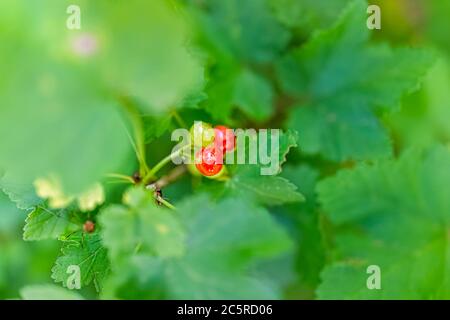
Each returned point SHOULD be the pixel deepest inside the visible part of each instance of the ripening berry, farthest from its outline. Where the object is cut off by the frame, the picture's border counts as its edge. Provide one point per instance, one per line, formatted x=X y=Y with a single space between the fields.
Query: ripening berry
x=202 y=134
x=89 y=226
x=224 y=138
x=207 y=162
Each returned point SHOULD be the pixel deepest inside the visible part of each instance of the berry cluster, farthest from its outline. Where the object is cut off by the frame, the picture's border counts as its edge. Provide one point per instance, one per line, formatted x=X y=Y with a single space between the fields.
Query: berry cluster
x=214 y=143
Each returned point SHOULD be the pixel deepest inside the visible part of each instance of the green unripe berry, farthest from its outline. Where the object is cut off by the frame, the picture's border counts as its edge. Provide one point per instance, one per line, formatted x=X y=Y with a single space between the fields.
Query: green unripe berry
x=202 y=134
x=193 y=170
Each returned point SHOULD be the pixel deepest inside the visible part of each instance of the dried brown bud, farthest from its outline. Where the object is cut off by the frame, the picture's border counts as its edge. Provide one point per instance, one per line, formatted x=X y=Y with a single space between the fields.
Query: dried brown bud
x=137 y=178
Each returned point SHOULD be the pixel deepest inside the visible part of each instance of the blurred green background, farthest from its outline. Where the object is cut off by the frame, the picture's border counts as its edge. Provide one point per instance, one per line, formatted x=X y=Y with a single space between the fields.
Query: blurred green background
x=423 y=119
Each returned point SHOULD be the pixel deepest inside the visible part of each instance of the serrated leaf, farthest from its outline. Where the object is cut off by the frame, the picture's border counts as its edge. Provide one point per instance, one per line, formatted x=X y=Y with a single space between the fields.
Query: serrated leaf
x=10 y=216
x=307 y=14
x=86 y=252
x=48 y=292
x=305 y=178
x=43 y=223
x=222 y=241
x=21 y=193
x=209 y=229
x=194 y=99
x=234 y=28
x=259 y=182
x=395 y=215
x=156 y=126
x=275 y=158
x=345 y=81
x=425 y=116
x=340 y=131
x=231 y=32
x=305 y=222
x=288 y=140
x=247 y=181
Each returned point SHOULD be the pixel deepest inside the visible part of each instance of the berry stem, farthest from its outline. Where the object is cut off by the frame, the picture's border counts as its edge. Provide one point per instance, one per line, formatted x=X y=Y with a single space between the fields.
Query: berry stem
x=151 y=174
x=120 y=177
x=139 y=142
x=170 y=177
x=165 y=202
x=138 y=247
x=178 y=119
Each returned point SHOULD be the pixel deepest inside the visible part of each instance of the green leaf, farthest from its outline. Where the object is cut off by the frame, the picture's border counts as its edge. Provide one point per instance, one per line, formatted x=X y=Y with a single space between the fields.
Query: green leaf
x=437 y=22
x=156 y=126
x=223 y=240
x=48 y=292
x=247 y=182
x=288 y=140
x=209 y=228
x=157 y=68
x=22 y=194
x=307 y=14
x=231 y=33
x=43 y=223
x=345 y=81
x=71 y=101
x=198 y=280
x=254 y=95
x=194 y=99
x=153 y=65
x=393 y=214
x=305 y=220
x=81 y=129
x=252 y=181
x=425 y=116
x=10 y=216
x=87 y=252
x=305 y=178
x=233 y=28
x=142 y=226
x=220 y=93
x=67 y=113
x=340 y=131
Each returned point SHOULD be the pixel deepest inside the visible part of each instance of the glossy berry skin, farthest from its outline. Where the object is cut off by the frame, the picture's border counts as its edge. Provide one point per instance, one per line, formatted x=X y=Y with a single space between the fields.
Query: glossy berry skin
x=224 y=139
x=202 y=134
x=207 y=162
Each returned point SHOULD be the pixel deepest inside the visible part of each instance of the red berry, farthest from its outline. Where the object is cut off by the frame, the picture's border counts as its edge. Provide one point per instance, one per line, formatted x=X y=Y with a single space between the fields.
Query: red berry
x=225 y=138
x=207 y=162
x=89 y=227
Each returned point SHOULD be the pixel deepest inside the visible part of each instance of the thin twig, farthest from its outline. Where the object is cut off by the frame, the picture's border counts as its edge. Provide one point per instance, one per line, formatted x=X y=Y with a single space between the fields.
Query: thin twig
x=178 y=119
x=136 y=121
x=120 y=177
x=165 y=202
x=151 y=174
x=171 y=177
